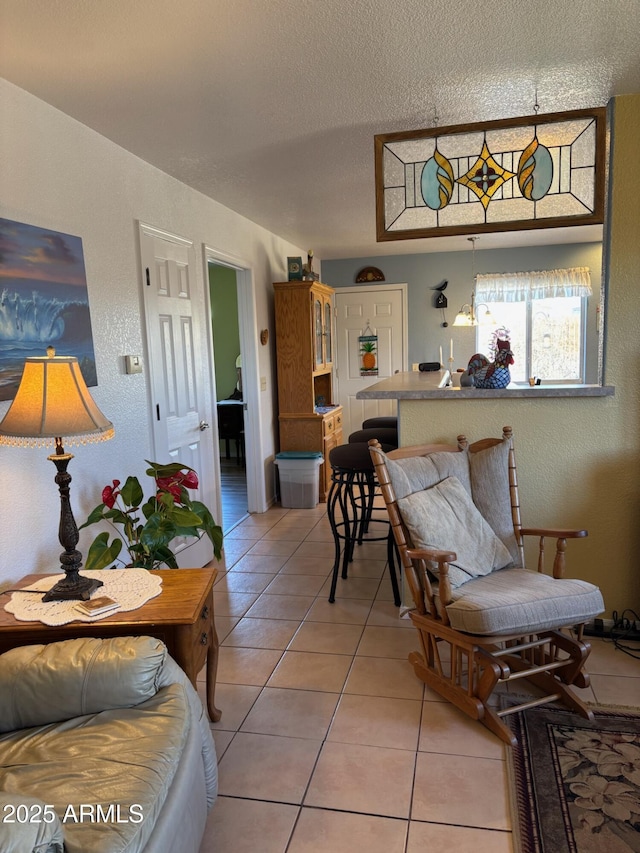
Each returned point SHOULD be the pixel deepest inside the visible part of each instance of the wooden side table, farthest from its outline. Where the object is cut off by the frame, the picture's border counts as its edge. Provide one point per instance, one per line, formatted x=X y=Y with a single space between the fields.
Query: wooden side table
x=181 y=616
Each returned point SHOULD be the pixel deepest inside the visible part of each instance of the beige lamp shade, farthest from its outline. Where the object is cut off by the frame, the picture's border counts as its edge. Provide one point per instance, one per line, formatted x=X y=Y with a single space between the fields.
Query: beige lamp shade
x=53 y=401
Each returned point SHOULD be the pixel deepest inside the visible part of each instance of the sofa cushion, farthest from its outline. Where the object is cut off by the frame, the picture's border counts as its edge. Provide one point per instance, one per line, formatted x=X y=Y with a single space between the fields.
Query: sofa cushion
x=121 y=760
x=519 y=600
x=81 y=676
x=40 y=832
x=445 y=517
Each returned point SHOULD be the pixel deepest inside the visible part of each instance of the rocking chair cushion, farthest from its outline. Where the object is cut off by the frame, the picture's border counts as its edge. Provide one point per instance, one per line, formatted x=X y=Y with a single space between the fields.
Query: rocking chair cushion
x=416 y=473
x=489 y=470
x=445 y=517
x=521 y=601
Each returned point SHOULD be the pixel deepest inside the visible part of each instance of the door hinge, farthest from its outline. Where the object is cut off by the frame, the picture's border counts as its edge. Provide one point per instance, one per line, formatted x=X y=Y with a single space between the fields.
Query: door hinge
x=148 y=277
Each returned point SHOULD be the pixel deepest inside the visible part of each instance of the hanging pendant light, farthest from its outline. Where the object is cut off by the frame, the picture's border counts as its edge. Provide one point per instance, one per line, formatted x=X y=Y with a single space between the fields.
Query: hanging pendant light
x=466 y=316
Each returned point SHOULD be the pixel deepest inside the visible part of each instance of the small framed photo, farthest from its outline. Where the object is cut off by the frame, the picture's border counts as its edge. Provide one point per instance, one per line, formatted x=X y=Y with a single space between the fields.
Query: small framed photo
x=294 y=269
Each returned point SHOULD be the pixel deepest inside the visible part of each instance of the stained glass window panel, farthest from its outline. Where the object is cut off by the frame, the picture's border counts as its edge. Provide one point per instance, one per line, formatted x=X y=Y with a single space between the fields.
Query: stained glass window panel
x=531 y=172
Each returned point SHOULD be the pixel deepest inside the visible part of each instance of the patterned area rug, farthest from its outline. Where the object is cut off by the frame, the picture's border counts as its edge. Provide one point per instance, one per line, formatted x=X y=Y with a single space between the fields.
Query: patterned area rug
x=575 y=784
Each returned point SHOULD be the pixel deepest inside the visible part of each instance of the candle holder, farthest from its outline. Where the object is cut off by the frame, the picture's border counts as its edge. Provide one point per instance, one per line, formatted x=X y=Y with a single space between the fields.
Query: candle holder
x=450 y=370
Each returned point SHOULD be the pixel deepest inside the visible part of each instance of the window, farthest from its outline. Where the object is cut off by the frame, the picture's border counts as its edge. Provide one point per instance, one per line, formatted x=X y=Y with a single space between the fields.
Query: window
x=544 y=314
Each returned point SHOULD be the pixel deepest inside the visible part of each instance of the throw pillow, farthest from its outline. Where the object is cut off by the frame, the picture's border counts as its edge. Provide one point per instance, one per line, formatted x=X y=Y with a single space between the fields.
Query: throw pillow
x=489 y=469
x=416 y=473
x=445 y=517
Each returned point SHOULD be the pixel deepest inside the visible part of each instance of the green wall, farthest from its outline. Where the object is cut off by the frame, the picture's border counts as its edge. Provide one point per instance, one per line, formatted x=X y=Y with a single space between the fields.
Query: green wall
x=224 y=321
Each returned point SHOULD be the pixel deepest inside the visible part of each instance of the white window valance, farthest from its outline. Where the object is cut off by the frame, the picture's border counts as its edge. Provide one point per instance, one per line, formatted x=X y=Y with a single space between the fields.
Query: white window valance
x=540 y=284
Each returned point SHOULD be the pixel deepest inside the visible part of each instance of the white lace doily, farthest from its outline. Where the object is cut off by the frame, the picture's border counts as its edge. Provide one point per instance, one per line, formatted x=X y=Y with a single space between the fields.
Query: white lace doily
x=131 y=588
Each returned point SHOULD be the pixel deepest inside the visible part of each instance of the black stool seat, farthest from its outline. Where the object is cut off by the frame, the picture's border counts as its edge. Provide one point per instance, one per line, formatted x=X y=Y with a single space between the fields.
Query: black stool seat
x=380 y=423
x=350 y=508
x=385 y=435
x=353 y=456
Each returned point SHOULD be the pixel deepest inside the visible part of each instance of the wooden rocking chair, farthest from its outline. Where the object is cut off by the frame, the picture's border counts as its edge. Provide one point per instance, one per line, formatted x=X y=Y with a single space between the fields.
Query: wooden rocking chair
x=482 y=618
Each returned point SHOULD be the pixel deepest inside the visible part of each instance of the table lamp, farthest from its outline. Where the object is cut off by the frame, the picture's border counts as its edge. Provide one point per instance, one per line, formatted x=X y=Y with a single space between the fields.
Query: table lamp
x=53 y=401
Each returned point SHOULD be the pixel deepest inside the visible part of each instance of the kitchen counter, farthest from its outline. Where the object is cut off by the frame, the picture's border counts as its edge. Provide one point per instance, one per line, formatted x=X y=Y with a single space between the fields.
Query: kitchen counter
x=414 y=385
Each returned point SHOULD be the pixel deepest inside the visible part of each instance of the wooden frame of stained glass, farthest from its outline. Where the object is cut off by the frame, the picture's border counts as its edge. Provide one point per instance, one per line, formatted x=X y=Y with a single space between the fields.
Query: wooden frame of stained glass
x=541 y=171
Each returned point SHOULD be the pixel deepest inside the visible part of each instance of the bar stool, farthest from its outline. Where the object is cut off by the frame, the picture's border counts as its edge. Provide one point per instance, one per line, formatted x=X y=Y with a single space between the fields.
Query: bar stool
x=388 y=437
x=381 y=423
x=385 y=435
x=350 y=509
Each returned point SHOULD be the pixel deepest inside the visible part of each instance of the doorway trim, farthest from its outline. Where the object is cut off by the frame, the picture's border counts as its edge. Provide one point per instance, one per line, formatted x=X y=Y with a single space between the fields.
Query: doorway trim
x=248 y=332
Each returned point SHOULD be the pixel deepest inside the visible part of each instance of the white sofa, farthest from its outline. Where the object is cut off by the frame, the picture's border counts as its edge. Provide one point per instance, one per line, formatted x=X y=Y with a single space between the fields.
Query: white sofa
x=104 y=748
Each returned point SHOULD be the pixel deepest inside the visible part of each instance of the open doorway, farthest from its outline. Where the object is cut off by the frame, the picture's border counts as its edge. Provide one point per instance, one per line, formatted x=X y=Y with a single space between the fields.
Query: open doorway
x=251 y=380
x=230 y=403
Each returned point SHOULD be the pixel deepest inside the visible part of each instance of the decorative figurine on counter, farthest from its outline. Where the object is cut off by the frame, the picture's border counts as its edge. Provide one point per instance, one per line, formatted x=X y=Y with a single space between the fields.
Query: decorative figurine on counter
x=492 y=374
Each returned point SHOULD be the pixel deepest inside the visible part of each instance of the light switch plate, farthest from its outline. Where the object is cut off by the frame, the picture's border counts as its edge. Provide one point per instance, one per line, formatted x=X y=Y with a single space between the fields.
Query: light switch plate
x=133 y=364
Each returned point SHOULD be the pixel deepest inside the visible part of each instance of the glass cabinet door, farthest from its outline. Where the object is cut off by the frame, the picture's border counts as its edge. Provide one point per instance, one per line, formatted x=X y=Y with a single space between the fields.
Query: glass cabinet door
x=328 y=354
x=317 y=330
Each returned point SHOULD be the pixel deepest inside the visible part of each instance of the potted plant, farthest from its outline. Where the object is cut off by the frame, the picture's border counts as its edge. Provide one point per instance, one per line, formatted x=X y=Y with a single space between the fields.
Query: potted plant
x=146 y=530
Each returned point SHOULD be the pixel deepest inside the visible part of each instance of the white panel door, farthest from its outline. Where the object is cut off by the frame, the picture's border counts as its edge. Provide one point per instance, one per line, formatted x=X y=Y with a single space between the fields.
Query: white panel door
x=178 y=370
x=382 y=309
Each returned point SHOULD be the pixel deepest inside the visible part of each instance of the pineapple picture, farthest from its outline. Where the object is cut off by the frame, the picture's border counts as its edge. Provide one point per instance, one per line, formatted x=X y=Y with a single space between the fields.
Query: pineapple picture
x=368 y=355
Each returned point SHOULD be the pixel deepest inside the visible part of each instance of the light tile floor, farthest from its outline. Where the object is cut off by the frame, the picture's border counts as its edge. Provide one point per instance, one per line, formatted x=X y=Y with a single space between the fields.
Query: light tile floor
x=328 y=742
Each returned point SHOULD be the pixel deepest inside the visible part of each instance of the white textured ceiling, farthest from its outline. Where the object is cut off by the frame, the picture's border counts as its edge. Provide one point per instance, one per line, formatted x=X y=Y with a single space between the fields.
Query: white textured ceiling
x=270 y=106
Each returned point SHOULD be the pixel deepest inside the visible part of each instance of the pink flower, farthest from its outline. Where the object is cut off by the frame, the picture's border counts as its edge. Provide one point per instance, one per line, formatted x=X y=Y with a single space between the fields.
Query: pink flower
x=109 y=494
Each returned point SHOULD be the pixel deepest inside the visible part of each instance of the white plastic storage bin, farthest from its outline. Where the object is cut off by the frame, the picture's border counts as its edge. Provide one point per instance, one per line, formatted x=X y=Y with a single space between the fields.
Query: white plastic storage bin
x=299 y=478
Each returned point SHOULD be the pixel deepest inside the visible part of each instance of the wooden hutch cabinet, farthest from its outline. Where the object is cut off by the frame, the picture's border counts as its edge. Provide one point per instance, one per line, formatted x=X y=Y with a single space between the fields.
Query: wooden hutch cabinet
x=304 y=351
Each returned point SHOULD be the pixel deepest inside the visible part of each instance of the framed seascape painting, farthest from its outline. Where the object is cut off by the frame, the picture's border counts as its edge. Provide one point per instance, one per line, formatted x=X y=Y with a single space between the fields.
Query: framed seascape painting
x=43 y=301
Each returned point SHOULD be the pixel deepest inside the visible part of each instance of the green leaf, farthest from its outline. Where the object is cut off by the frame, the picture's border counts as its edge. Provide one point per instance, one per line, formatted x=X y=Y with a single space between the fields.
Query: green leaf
x=101 y=554
x=165 y=556
x=138 y=552
x=165 y=499
x=213 y=530
x=159 y=530
x=96 y=514
x=149 y=507
x=117 y=516
x=157 y=469
x=131 y=492
x=185 y=517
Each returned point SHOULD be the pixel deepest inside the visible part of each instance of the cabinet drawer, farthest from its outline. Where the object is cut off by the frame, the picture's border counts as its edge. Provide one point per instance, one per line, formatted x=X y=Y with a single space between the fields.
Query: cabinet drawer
x=332 y=423
x=202 y=636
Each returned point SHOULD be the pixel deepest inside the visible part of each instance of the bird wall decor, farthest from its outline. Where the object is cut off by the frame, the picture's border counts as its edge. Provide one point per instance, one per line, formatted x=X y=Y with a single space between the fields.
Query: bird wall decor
x=492 y=374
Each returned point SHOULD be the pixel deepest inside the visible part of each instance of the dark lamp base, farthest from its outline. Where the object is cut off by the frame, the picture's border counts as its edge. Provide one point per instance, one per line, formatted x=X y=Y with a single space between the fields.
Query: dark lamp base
x=76 y=588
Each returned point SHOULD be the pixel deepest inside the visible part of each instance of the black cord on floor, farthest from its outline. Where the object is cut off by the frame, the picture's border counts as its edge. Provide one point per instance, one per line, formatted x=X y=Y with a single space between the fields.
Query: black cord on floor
x=630 y=627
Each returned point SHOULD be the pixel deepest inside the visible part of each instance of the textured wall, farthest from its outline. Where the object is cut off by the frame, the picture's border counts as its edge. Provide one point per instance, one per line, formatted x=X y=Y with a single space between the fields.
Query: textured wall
x=579 y=459
x=57 y=173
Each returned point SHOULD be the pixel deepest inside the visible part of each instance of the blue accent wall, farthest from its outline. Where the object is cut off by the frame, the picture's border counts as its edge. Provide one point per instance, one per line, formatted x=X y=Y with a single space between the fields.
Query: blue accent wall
x=422 y=272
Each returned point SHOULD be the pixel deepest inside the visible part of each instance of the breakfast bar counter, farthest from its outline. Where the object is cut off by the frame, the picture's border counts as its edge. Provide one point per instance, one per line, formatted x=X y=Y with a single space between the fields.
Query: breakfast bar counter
x=433 y=385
